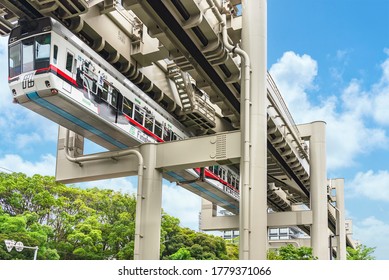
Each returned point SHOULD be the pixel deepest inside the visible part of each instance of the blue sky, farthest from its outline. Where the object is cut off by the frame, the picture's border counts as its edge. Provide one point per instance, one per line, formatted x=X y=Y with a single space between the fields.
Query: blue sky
x=330 y=60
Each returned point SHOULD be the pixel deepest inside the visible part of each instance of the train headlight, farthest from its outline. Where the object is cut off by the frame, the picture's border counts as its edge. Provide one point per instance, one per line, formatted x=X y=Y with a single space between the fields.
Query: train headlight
x=54 y=91
x=47 y=83
x=13 y=92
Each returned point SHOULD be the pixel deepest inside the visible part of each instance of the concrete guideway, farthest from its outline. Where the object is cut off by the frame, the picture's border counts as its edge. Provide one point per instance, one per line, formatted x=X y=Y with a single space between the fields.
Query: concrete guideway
x=195 y=35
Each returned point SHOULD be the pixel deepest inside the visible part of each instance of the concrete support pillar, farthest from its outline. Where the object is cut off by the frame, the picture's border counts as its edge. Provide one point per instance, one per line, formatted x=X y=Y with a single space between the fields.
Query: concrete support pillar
x=253 y=202
x=340 y=219
x=149 y=205
x=318 y=180
x=208 y=209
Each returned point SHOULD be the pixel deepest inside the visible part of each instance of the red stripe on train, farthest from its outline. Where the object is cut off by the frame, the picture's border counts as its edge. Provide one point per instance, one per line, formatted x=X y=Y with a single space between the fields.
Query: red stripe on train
x=210 y=175
x=63 y=75
x=148 y=132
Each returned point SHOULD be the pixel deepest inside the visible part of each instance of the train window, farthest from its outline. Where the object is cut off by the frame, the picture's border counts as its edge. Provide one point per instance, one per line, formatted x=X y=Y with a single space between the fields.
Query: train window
x=158 y=128
x=166 y=134
x=69 y=62
x=175 y=137
x=104 y=92
x=28 y=54
x=55 y=56
x=139 y=115
x=127 y=107
x=221 y=173
x=149 y=122
x=15 y=68
x=33 y=53
x=114 y=100
x=42 y=51
x=74 y=68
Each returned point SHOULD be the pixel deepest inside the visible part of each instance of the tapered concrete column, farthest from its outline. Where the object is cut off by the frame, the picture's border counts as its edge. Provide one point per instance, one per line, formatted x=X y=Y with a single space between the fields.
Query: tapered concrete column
x=148 y=211
x=340 y=221
x=318 y=180
x=253 y=203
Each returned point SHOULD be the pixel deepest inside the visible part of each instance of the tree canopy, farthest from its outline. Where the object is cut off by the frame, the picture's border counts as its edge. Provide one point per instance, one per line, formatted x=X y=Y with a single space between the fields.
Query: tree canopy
x=290 y=252
x=361 y=252
x=70 y=223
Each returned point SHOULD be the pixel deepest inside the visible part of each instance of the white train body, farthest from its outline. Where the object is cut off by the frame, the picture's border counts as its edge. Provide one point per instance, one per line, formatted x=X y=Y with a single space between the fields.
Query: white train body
x=52 y=72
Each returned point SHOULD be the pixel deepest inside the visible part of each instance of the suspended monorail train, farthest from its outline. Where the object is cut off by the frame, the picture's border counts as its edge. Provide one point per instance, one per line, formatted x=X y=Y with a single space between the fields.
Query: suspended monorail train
x=57 y=75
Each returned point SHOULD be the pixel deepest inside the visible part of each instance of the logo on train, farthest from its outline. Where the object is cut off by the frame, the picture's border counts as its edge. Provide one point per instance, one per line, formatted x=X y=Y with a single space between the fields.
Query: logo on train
x=28 y=81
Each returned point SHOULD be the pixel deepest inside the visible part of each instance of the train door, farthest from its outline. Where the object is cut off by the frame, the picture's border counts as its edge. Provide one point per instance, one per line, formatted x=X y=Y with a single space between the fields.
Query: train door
x=70 y=71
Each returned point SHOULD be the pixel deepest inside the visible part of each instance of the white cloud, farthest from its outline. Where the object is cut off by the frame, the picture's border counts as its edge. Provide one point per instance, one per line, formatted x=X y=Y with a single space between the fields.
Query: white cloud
x=45 y=165
x=381 y=95
x=371 y=185
x=381 y=103
x=23 y=140
x=341 y=59
x=16 y=122
x=355 y=99
x=182 y=204
x=5 y=94
x=20 y=127
x=348 y=134
x=373 y=233
x=342 y=54
x=124 y=185
x=295 y=74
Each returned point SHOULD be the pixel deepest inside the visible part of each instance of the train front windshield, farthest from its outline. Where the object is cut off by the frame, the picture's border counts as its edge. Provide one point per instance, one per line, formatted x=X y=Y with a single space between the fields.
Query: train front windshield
x=29 y=54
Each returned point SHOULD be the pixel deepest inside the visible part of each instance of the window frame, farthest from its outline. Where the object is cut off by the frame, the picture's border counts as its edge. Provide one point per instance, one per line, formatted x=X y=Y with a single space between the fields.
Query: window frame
x=130 y=108
x=55 y=54
x=31 y=51
x=17 y=67
x=141 y=112
x=158 y=125
x=69 y=61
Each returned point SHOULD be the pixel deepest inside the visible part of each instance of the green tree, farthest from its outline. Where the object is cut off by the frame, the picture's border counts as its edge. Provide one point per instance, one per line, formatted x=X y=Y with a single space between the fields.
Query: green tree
x=170 y=241
x=291 y=252
x=77 y=223
x=24 y=228
x=273 y=255
x=232 y=251
x=181 y=254
x=361 y=252
x=201 y=246
x=72 y=223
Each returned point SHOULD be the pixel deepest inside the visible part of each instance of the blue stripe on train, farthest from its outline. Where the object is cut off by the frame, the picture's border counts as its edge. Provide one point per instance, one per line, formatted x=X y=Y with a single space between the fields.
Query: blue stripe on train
x=201 y=189
x=33 y=96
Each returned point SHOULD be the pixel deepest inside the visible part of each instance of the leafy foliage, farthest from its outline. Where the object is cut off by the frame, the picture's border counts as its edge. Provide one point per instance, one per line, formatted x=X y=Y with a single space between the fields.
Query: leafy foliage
x=181 y=254
x=291 y=252
x=185 y=243
x=72 y=223
x=361 y=252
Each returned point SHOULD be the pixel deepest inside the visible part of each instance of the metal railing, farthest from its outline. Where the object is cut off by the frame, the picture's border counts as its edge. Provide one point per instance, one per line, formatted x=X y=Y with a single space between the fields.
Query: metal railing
x=280 y=106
